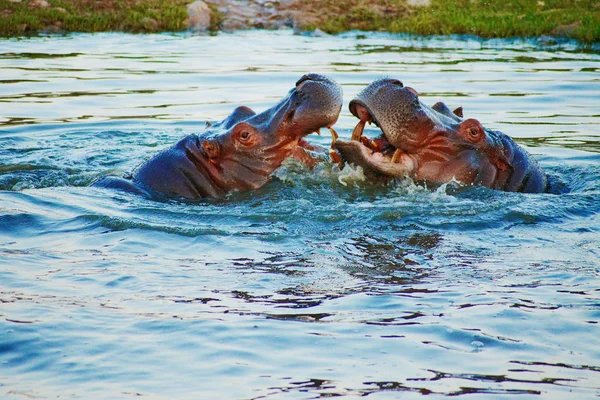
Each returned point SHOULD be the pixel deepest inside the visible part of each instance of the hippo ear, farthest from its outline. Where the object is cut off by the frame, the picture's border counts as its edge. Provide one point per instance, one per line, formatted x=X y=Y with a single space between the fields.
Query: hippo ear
x=458 y=112
x=443 y=109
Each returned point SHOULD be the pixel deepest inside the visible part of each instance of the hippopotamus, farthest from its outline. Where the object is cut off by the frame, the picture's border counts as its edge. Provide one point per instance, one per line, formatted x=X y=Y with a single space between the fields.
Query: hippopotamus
x=240 y=152
x=433 y=144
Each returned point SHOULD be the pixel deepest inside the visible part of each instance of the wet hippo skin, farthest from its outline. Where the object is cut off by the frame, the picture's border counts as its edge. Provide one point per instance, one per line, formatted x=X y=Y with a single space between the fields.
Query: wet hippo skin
x=242 y=151
x=434 y=144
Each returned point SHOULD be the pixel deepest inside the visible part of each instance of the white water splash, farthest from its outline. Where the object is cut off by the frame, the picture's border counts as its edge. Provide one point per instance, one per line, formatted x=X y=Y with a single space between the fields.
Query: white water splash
x=351 y=174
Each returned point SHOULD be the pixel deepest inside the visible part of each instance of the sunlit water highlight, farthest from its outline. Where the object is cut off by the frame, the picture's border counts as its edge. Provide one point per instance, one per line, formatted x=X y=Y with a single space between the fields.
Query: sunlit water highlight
x=317 y=284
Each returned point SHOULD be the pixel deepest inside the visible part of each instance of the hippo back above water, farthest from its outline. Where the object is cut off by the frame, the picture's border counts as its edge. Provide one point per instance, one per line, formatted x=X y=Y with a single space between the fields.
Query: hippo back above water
x=434 y=144
x=242 y=151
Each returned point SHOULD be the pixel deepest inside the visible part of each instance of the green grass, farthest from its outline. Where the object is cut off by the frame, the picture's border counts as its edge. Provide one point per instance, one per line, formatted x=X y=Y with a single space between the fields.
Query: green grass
x=578 y=19
x=94 y=16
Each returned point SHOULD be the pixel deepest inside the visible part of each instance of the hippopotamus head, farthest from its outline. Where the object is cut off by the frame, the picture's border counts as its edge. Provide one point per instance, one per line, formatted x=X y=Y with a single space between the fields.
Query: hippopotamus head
x=241 y=152
x=433 y=144
x=245 y=148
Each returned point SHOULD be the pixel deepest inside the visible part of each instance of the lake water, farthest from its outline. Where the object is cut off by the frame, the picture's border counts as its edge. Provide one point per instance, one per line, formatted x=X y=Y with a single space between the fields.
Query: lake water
x=318 y=284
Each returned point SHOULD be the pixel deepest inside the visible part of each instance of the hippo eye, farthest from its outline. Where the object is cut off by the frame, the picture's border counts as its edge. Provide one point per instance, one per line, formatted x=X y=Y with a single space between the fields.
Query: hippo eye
x=245 y=134
x=245 y=137
x=475 y=133
x=471 y=130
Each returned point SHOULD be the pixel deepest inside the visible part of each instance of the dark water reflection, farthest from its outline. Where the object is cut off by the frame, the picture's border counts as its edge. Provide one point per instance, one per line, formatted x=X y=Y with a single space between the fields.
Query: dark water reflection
x=318 y=284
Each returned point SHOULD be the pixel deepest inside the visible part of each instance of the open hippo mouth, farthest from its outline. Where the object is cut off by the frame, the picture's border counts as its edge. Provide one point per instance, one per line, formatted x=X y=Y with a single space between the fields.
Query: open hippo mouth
x=380 y=147
x=407 y=128
x=388 y=154
x=433 y=144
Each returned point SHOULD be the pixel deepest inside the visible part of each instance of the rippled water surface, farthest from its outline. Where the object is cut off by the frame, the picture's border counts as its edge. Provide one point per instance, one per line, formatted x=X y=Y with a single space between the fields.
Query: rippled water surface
x=317 y=284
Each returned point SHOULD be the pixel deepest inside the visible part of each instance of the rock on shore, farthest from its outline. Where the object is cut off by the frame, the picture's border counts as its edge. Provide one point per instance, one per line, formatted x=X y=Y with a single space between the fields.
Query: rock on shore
x=198 y=16
x=244 y=14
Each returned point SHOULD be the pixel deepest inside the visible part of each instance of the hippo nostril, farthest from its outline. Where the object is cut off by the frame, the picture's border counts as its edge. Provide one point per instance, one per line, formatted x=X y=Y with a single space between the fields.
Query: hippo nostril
x=360 y=111
x=304 y=78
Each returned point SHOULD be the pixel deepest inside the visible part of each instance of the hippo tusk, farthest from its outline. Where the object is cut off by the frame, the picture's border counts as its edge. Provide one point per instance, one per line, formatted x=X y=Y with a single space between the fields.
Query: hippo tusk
x=334 y=155
x=397 y=155
x=336 y=158
x=358 y=130
x=334 y=137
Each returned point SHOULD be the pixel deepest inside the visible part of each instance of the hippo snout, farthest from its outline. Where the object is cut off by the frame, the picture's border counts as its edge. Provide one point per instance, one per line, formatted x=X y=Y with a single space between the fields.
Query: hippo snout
x=319 y=101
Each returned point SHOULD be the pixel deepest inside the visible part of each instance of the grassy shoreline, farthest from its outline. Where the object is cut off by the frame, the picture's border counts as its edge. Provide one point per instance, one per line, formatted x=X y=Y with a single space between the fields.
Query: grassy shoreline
x=575 y=19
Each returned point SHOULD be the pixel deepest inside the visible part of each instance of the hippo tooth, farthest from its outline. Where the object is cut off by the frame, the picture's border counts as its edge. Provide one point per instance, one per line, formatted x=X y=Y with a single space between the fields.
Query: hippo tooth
x=334 y=137
x=358 y=131
x=397 y=154
x=335 y=158
x=366 y=141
